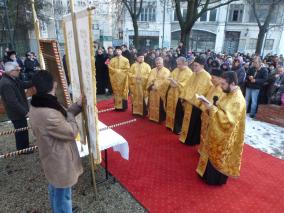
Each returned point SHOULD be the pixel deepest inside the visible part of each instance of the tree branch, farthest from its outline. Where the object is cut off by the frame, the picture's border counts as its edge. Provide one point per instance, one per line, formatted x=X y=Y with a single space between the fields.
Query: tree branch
x=128 y=6
x=220 y=5
x=140 y=8
x=255 y=14
x=178 y=13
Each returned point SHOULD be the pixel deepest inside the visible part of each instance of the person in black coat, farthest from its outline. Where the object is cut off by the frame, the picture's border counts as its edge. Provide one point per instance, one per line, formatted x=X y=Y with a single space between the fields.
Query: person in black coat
x=29 y=67
x=126 y=53
x=101 y=71
x=238 y=68
x=255 y=80
x=12 y=91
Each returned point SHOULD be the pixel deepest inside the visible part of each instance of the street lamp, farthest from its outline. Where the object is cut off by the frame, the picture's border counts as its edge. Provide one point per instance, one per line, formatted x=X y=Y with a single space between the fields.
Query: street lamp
x=164 y=17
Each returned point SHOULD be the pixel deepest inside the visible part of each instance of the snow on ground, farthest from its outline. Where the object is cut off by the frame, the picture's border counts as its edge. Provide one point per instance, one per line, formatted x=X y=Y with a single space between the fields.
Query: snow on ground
x=266 y=137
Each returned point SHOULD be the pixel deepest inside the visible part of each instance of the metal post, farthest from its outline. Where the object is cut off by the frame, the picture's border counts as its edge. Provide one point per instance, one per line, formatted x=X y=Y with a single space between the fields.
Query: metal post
x=164 y=17
x=85 y=118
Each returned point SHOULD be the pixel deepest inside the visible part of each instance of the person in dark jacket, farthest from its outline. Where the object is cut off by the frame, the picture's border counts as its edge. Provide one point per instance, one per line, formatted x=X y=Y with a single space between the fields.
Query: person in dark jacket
x=12 y=92
x=256 y=77
x=182 y=49
x=101 y=72
x=150 y=59
x=237 y=67
x=225 y=67
x=208 y=64
x=109 y=56
x=29 y=66
x=127 y=54
x=12 y=56
x=6 y=57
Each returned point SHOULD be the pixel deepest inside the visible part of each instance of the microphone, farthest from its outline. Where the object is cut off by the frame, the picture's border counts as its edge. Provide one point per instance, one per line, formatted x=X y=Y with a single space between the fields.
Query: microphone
x=215 y=99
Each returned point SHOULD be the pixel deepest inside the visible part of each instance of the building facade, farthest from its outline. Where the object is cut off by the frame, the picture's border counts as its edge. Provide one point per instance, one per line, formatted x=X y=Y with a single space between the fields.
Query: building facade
x=229 y=29
x=154 y=26
x=233 y=28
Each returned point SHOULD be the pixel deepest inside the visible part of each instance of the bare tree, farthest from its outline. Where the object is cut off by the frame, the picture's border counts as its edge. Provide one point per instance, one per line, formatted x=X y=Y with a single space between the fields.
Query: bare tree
x=264 y=25
x=195 y=9
x=134 y=8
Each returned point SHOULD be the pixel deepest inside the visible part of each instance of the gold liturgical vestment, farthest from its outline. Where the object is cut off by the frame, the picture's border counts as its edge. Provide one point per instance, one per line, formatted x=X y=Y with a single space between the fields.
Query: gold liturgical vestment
x=159 y=78
x=203 y=147
x=199 y=83
x=181 y=76
x=213 y=91
x=225 y=136
x=118 y=73
x=138 y=77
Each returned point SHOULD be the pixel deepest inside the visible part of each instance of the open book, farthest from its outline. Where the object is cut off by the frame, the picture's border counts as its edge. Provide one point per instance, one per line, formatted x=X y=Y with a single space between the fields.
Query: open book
x=202 y=98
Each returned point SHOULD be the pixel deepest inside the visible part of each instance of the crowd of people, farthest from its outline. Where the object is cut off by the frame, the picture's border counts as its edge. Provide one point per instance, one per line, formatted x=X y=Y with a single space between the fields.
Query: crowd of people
x=28 y=64
x=268 y=89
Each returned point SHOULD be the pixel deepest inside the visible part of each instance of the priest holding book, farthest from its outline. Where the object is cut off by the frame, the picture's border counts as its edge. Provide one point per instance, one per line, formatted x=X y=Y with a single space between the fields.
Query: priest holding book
x=215 y=93
x=199 y=83
x=225 y=134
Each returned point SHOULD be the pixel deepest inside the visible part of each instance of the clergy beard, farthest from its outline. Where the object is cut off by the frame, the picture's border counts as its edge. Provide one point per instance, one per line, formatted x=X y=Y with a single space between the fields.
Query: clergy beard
x=227 y=90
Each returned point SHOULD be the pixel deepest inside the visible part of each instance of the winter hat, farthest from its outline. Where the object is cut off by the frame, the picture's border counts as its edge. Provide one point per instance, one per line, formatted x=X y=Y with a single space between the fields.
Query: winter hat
x=10 y=66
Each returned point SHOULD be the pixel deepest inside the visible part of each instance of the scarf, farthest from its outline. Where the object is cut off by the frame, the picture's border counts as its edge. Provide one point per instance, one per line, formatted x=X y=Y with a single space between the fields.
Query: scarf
x=47 y=101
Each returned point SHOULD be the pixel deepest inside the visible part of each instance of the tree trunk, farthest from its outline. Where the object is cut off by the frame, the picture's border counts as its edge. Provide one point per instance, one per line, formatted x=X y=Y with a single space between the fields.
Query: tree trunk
x=184 y=37
x=260 y=41
x=136 y=36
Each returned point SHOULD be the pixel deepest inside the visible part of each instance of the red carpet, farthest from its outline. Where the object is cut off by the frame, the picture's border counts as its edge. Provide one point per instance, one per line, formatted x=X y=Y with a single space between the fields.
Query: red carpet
x=161 y=175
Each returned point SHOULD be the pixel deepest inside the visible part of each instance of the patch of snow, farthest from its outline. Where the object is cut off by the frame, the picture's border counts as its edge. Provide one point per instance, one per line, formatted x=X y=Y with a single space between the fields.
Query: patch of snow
x=266 y=137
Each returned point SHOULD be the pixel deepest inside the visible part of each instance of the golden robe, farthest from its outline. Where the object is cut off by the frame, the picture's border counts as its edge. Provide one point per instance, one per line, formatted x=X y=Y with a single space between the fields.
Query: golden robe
x=182 y=76
x=159 y=78
x=203 y=147
x=138 y=87
x=199 y=83
x=225 y=136
x=118 y=73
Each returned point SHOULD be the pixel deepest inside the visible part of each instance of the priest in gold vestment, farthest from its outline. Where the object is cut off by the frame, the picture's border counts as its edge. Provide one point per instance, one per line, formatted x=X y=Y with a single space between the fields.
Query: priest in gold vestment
x=118 y=73
x=178 y=79
x=157 y=86
x=215 y=93
x=138 y=77
x=225 y=134
x=199 y=83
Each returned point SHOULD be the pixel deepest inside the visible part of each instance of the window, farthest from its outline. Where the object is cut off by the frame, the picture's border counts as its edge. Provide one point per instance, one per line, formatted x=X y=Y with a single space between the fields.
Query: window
x=268 y=44
x=203 y=17
x=212 y=16
x=252 y=43
x=148 y=12
x=236 y=12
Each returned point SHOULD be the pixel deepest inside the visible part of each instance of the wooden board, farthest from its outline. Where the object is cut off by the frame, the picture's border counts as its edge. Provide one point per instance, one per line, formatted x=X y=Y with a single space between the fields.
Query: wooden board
x=53 y=64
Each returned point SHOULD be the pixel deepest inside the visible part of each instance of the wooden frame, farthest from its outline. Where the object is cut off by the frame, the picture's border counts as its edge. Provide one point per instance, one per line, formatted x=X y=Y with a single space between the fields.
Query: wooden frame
x=53 y=64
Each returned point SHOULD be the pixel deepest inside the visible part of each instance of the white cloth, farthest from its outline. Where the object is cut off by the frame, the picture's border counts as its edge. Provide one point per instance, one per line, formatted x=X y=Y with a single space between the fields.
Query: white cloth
x=107 y=139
